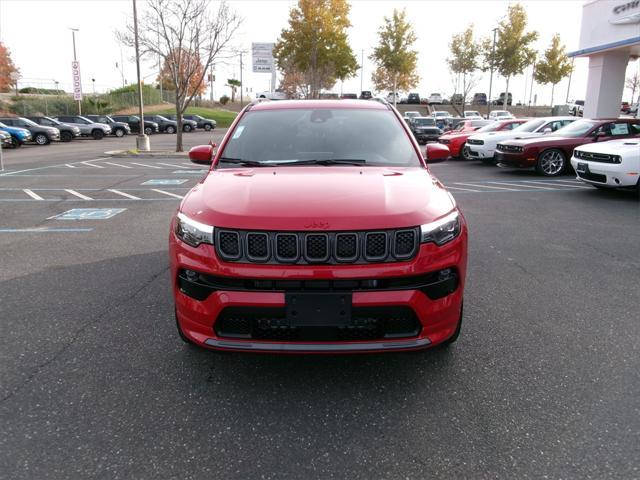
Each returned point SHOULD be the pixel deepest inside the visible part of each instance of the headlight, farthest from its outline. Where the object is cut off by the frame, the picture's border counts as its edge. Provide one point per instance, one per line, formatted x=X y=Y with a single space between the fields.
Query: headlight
x=441 y=231
x=192 y=232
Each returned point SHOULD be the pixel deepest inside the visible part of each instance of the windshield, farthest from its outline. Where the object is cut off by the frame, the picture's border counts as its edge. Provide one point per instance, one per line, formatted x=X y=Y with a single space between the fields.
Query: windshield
x=51 y=121
x=530 y=126
x=294 y=135
x=578 y=128
x=424 y=121
x=492 y=127
x=134 y=118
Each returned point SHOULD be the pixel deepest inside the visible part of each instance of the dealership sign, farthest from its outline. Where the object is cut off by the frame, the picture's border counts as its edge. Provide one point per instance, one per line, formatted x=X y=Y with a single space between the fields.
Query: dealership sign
x=262 y=57
x=626 y=13
x=77 y=84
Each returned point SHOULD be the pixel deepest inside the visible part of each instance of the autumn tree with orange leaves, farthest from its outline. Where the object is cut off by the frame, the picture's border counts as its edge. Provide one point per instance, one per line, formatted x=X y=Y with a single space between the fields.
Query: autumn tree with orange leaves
x=195 y=79
x=6 y=69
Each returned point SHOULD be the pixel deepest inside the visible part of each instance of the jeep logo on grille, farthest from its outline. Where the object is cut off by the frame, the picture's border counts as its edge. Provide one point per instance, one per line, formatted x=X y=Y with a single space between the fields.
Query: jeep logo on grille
x=317 y=226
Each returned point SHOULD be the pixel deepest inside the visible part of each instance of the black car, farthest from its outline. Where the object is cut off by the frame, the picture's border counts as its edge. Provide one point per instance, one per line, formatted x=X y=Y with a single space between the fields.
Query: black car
x=67 y=132
x=166 y=125
x=119 y=129
x=500 y=99
x=204 y=123
x=134 y=123
x=425 y=129
x=188 y=124
x=41 y=135
x=479 y=99
x=366 y=95
x=413 y=98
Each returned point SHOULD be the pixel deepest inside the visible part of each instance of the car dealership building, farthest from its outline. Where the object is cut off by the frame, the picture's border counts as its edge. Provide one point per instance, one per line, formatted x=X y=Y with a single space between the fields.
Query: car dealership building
x=610 y=38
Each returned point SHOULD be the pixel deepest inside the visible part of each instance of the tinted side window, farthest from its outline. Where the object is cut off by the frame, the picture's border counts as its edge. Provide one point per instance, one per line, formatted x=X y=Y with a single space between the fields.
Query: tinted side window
x=7 y=121
x=635 y=128
x=65 y=119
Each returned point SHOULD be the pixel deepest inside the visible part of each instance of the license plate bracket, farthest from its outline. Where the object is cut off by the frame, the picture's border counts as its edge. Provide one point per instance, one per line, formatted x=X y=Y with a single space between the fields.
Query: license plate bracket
x=318 y=309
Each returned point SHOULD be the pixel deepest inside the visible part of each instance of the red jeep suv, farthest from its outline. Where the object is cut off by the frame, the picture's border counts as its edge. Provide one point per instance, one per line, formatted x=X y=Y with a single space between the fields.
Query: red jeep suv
x=318 y=228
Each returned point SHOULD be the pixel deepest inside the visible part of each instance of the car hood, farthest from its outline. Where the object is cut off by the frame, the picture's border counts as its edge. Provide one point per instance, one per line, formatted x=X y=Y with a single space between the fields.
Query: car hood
x=500 y=136
x=547 y=140
x=318 y=198
x=614 y=147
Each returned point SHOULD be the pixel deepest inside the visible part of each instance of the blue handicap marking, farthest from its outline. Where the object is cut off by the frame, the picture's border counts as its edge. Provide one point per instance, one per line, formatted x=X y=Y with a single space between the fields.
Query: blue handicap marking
x=165 y=181
x=193 y=170
x=88 y=214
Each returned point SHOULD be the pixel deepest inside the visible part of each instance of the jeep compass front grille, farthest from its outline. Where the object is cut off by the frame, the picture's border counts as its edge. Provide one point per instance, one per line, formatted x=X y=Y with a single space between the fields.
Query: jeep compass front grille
x=316 y=247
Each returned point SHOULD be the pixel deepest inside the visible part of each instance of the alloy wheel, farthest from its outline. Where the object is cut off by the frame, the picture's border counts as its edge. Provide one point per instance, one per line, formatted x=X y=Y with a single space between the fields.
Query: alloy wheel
x=552 y=163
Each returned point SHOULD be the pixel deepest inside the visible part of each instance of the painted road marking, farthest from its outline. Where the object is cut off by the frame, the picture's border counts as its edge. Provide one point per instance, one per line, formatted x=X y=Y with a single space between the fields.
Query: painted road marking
x=148 y=166
x=88 y=214
x=91 y=164
x=79 y=195
x=33 y=195
x=555 y=184
x=117 y=165
x=485 y=186
x=118 y=192
x=44 y=230
x=69 y=165
x=522 y=185
x=167 y=193
x=170 y=165
x=463 y=189
x=165 y=181
x=192 y=171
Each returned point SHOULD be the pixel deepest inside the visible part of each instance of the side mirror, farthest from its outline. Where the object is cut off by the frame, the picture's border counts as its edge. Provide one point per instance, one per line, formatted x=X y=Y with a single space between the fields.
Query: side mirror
x=202 y=154
x=598 y=136
x=547 y=130
x=436 y=152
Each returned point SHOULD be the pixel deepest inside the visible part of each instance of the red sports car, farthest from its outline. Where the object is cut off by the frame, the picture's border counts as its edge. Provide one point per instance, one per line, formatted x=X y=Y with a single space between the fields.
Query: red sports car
x=306 y=236
x=550 y=155
x=457 y=138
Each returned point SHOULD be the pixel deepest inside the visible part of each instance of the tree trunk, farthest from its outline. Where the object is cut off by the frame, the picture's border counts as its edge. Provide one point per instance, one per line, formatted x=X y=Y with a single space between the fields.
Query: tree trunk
x=553 y=86
x=395 y=85
x=179 y=147
x=506 y=96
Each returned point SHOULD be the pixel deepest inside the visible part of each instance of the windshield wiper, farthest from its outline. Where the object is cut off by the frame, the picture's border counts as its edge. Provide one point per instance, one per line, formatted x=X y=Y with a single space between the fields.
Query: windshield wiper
x=325 y=161
x=240 y=161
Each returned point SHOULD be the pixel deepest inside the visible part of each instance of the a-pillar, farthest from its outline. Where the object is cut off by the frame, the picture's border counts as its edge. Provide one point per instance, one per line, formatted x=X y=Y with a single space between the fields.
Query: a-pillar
x=605 y=84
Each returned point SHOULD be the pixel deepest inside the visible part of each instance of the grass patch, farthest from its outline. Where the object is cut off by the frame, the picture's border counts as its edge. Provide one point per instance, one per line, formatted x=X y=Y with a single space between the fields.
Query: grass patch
x=223 y=118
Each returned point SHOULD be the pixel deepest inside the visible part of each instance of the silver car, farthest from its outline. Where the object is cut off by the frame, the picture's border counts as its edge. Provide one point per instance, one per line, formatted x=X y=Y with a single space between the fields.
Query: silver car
x=86 y=126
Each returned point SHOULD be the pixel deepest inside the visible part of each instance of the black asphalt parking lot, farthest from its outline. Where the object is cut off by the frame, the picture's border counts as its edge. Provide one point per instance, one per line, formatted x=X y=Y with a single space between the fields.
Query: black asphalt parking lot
x=95 y=382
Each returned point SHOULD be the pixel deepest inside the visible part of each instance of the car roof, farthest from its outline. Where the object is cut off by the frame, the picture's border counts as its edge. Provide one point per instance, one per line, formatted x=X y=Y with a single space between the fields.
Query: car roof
x=319 y=104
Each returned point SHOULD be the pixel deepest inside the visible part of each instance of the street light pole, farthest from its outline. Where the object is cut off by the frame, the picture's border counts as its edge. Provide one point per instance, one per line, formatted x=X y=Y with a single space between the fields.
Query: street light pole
x=75 y=59
x=493 y=53
x=142 y=140
x=241 y=86
x=361 y=69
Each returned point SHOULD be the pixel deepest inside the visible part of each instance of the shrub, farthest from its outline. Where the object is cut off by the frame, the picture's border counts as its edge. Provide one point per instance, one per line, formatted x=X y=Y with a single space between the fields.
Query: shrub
x=224 y=99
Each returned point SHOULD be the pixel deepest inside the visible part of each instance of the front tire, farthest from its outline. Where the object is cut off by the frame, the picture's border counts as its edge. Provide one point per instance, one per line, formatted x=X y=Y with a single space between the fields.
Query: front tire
x=453 y=338
x=41 y=139
x=187 y=128
x=170 y=129
x=551 y=163
x=97 y=134
x=207 y=127
x=15 y=142
x=148 y=130
x=119 y=132
x=66 y=136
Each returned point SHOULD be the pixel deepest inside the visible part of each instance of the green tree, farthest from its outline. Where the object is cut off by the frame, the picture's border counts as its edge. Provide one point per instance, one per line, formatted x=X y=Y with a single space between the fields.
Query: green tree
x=394 y=56
x=513 y=52
x=553 y=66
x=464 y=60
x=316 y=45
x=234 y=84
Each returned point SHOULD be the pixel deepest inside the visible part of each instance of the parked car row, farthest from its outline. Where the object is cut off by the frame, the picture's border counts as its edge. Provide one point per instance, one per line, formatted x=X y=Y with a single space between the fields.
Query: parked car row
x=604 y=153
x=42 y=130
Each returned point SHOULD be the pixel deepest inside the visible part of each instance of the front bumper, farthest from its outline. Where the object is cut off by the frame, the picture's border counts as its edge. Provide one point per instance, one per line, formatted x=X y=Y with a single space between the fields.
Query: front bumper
x=427 y=137
x=514 y=160
x=201 y=320
x=614 y=175
x=480 y=152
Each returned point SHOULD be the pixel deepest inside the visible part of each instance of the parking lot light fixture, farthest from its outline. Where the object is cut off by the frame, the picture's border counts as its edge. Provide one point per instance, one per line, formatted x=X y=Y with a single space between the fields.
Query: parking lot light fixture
x=493 y=52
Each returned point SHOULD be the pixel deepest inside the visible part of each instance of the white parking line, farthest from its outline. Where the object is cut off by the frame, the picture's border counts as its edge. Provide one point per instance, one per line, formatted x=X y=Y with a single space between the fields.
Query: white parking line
x=143 y=165
x=463 y=189
x=117 y=165
x=167 y=193
x=91 y=164
x=33 y=195
x=521 y=185
x=69 y=165
x=555 y=184
x=79 y=195
x=486 y=186
x=170 y=165
x=118 y=192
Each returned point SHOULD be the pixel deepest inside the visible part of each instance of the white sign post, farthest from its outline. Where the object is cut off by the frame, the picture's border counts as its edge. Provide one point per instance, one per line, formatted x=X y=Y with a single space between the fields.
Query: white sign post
x=77 y=84
x=263 y=62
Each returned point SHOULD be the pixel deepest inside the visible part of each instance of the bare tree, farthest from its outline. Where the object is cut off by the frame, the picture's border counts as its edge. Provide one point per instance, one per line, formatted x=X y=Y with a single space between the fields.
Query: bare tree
x=189 y=38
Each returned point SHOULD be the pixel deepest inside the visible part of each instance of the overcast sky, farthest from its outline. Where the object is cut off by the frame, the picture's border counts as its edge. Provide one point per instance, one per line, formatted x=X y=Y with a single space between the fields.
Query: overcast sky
x=37 y=33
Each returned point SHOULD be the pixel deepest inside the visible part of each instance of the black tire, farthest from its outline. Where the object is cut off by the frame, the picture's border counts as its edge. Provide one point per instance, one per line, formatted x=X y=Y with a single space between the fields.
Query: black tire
x=119 y=132
x=207 y=127
x=551 y=163
x=15 y=143
x=183 y=337
x=170 y=129
x=453 y=338
x=148 y=130
x=187 y=128
x=97 y=134
x=66 y=136
x=41 y=139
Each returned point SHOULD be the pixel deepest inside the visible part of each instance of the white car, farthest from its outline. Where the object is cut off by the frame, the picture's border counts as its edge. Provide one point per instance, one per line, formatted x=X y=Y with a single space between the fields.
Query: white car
x=441 y=115
x=500 y=115
x=271 y=95
x=473 y=115
x=482 y=146
x=391 y=98
x=435 y=99
x=612 y=164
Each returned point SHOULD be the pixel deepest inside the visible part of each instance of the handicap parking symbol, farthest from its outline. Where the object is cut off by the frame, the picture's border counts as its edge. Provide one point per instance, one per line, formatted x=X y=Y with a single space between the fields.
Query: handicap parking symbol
x=88 y=214
x=165 y=181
